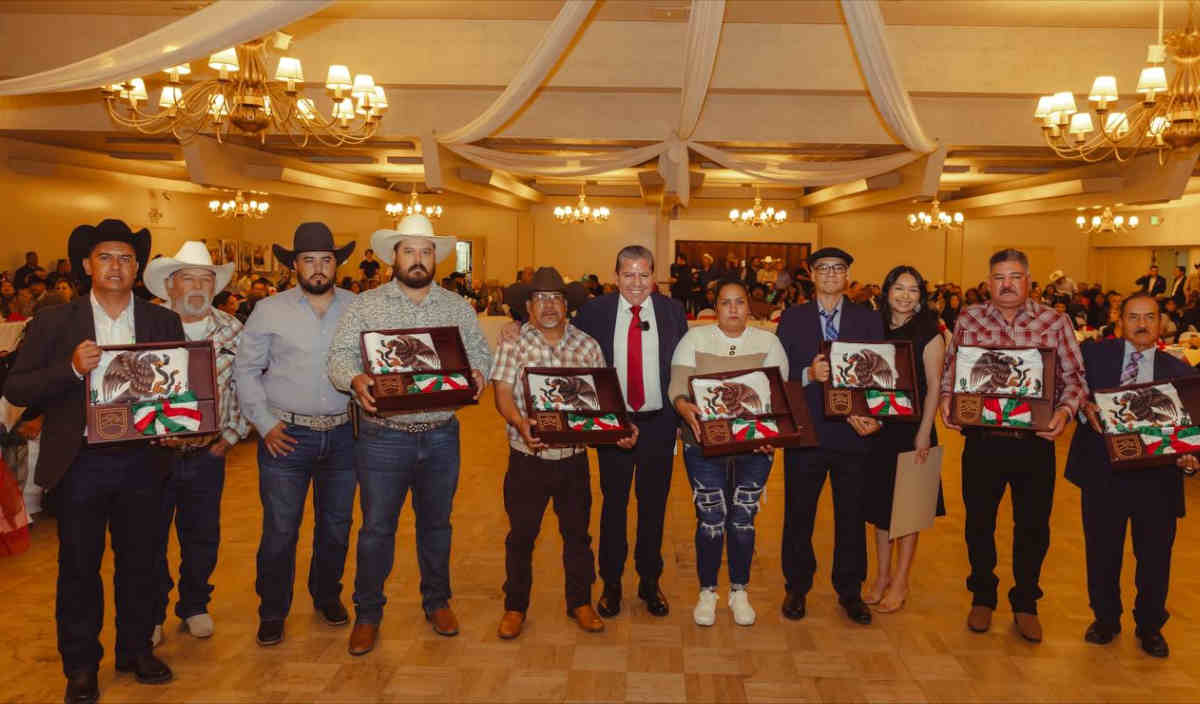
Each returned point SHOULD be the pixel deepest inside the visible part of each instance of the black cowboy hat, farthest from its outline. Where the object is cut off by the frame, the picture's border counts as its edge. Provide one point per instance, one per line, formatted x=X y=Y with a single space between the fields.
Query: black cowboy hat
x=546 y=278
x=85 y=238
x=311 y=237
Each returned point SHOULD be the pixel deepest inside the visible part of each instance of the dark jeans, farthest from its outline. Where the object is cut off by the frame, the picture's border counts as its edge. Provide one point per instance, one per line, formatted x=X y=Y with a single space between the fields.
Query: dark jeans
x=651 y=461
x=119 y=491
x=726 y=491
x=192 y=500
x=389 y=463
x=529 y=484
x=1142 y=499
x=804 y=472
x=325 y=458
x=1025 y=465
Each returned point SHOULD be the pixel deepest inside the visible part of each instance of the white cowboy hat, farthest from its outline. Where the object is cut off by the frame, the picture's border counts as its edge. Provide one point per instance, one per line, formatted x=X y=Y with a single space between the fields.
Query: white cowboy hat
x=412 y=226
x=1056 y=275
x=192 y=255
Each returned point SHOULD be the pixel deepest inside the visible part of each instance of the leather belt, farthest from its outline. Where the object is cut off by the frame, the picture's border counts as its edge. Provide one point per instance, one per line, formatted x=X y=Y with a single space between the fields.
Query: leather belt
x=1004 y=434
x=406 y=427
x=645 y=415
x=321 y=423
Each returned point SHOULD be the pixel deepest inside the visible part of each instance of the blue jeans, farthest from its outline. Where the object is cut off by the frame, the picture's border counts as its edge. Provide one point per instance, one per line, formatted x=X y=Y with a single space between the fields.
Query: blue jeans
x=192 y=501
x=326 y=459
x=726 y=491
x=389 y=463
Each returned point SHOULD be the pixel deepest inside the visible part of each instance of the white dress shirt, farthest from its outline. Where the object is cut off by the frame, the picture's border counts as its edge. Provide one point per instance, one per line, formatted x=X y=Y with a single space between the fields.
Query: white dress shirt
x=1145 y=372
x=650 y=376
x=109 y=331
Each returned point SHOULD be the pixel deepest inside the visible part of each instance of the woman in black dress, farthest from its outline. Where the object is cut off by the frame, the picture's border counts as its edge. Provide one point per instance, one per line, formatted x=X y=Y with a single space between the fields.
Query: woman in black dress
x=906 y=316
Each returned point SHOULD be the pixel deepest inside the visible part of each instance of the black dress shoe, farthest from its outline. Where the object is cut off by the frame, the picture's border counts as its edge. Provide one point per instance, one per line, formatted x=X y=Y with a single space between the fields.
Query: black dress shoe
x=334 y=613
x=858 y=611
x=1153 y=643
x=147 y=668
x=793 y=606
x=82 y=688
x=1101 y=633
x=609 y=604
x=656 y=601
x=270 y=633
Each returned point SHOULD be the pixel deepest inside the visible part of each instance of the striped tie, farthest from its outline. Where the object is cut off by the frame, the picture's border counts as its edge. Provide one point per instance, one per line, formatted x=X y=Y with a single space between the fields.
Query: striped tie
x=831 y=331
x=1129 y=374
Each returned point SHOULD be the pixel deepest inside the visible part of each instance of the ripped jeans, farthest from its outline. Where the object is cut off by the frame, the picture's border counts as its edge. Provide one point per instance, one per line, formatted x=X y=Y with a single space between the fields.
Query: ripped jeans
x=726 y=492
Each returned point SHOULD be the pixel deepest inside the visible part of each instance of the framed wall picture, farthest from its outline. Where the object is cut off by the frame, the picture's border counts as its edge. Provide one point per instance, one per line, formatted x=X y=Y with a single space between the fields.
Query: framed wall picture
x=245 y=257
x=229 y=252
x=262 y=259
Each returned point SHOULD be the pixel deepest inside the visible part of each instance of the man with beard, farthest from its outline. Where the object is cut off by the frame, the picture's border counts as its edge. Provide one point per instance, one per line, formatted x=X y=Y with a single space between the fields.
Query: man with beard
x=305 y=431
x=192 y=494
x=399 y=452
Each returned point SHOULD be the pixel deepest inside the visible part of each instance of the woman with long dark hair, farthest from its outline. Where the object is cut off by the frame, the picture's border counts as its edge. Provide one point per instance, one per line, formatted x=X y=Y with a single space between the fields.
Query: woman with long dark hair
x=906 y=316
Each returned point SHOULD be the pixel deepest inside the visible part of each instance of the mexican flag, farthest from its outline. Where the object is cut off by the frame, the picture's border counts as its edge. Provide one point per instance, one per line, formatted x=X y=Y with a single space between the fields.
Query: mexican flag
x=753 y=429
x=174 y=414
x=605 y=422
x=1007 y=412
x=429 y=383
x=889 y=403
x=1169 y=440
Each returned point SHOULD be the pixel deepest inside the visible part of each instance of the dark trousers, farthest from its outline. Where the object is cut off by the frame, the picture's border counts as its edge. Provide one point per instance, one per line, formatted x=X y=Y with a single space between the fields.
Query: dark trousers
x=192 y=500
x=650 y=461
x=529 y=484
x=1143 y=499
x=117 y=491
x=1026 y=467
x=804 y=472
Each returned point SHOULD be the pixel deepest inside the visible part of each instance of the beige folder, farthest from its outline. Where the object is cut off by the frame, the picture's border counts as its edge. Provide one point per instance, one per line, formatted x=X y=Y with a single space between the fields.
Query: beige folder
x=914 y=502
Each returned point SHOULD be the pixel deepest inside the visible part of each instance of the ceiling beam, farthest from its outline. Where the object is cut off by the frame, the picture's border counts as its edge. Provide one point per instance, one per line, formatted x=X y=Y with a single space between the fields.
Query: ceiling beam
x=1057 y=189
x=47 y=169
x=841 y=190
x=918 y=179
x=277 y=172
x=650 y=184
x=501 y=180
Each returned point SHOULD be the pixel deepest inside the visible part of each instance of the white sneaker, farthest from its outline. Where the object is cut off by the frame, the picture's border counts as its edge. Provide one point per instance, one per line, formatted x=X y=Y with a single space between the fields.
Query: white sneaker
x=200 y=625
x=739 y=604
x=156 y=638
x=705 y=613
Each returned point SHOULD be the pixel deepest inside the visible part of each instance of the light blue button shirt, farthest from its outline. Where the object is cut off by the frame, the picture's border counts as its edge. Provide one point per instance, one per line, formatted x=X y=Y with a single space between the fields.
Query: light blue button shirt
x=281 y=359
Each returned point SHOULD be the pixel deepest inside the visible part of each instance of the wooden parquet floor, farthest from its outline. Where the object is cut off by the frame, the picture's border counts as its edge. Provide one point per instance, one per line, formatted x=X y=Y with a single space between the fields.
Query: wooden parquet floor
x=923 y=653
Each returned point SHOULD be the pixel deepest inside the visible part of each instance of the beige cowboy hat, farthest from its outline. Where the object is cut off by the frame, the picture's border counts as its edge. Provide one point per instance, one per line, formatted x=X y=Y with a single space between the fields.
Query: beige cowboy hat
x=192 y=255
x=412 y=226
x=1056 y=275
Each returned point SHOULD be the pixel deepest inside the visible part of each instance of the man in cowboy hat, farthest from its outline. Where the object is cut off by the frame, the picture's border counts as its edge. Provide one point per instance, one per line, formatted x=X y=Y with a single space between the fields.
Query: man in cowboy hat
x=304 y=428
x=417 y=451
x=114 y=489
x=192 y=495
x=1063 y=283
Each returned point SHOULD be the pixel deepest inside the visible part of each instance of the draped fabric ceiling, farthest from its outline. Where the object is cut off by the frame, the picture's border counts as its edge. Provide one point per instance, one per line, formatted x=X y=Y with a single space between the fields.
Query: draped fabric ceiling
x=230 y=22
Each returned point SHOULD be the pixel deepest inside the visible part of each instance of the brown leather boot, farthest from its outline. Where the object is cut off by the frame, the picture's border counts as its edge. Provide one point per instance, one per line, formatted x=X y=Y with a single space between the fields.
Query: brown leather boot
x=362 y=638
x=980 y=619
x=444 y=621
x=587 y=618
x=1028 y=626
x=510 y=625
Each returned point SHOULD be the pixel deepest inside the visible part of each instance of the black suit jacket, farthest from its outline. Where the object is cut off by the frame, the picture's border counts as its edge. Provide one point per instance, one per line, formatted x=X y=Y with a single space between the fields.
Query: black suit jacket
x=1087 y=460
x=598 y=318
x=42 y=375
x=800 y=332
x=1153 y=286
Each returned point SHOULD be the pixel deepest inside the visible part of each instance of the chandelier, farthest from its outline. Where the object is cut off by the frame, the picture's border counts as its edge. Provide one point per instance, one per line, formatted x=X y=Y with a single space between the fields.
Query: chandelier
x=1165 y=117
x=581 y=212
x=242 y=97
x=239 y=207
x=413 y=207
x=935 y=219
x=757 y=215
x=1107 y=222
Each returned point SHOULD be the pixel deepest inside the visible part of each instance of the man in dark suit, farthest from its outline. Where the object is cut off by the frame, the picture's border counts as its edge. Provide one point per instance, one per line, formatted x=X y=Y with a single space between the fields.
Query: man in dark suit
x=101 y=489
x=1149 y=500
x=637 y=329
x=1178 y=286
x=1152 y=283
x=831 y=316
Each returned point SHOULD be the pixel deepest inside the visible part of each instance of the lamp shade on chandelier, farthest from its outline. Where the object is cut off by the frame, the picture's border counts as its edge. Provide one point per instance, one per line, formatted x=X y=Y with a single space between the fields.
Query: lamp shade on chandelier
x=581 y=212
x=244 y=97
x=757 y=215
x=239 y=207
x=413 y=207
x=1107 y=222
x=935 y=219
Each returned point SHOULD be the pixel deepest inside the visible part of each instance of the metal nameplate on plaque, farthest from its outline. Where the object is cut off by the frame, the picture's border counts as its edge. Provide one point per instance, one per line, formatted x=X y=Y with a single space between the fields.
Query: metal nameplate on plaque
x=548 y=421
x=1127 y=446
x=840 y=401
x=970 y=407
x=716 y=432
x=112 y=423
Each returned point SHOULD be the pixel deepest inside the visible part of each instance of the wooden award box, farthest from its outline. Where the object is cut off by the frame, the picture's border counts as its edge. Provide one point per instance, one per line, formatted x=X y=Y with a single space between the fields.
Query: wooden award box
x=967 y=409
x=842 y=402
x=553 y=427
x=396 y=393
x=1130 y=450
x=788 y=409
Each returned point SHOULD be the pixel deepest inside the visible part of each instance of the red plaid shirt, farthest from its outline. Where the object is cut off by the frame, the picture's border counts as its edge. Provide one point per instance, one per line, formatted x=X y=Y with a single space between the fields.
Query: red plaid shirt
x=1035 y=325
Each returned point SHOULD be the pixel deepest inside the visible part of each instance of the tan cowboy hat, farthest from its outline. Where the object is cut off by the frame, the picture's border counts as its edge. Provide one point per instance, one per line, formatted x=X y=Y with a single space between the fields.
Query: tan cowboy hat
x=1056 y=275
x=412 y=226
x=192 y=255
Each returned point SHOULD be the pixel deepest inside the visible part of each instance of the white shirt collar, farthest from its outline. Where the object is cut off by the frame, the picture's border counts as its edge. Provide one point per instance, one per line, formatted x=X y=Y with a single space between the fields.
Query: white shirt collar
x=627 y=307
x=98 y=310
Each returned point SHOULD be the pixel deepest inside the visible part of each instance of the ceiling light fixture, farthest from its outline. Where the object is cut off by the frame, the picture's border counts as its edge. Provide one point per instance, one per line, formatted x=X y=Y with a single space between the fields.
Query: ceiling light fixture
x=757 y=215
x=413 y=207
x=1107 y=222
x=935 y=219
x=581 y=212
x=239 y=207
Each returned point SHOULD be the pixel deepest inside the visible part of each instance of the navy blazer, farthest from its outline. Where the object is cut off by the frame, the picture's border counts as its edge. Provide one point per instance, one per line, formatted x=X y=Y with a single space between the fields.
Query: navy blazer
x=1087 y=460
x=800 y=332
x=598 y=318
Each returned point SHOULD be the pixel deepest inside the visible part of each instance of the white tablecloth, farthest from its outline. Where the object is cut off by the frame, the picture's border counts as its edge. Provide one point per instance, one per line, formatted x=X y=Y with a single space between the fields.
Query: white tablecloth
x=9 y=334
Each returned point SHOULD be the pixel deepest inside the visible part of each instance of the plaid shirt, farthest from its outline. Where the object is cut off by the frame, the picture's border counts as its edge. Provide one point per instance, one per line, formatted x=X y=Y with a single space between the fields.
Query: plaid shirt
x=225 y=331
x=532 y=349
x=1035 y=325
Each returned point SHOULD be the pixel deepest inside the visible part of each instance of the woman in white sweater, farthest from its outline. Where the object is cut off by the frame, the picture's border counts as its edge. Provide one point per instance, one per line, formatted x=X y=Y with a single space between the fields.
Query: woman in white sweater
x=725 y=490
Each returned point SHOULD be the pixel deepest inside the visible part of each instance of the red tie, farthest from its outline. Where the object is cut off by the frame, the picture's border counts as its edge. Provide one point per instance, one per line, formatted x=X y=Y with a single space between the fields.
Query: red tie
x=633 y=365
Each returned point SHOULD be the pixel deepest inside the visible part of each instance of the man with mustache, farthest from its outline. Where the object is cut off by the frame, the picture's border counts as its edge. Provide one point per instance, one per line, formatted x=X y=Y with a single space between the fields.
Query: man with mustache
x=1020 y=460
x=399 y=452
x=1148 y=500
x=304 y=429
x=192 y=494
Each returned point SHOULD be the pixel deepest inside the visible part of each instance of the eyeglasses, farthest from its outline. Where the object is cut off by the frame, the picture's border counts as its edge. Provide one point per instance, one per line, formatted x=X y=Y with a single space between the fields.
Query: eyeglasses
x=831 y=269
x=548 y=297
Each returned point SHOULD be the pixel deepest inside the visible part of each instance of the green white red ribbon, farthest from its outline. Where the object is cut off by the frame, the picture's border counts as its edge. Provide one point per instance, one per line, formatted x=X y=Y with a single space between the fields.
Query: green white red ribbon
x=429 y=383
x=1007 y=412
x=1169 y=440
x=607 y=421
x=753 y=428
x=174 y=414
x=889 y=403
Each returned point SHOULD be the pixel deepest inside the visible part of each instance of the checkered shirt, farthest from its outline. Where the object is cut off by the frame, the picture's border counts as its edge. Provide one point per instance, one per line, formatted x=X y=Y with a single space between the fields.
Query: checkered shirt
x=1035 y=325
x=225 y=332
x=532 y=349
